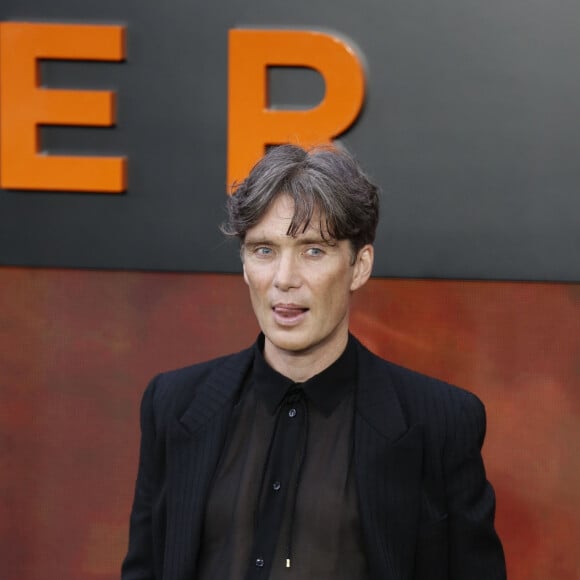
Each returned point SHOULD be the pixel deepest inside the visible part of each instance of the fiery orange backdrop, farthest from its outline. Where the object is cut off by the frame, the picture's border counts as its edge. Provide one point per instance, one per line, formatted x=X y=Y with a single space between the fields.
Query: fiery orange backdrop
x=77 y=348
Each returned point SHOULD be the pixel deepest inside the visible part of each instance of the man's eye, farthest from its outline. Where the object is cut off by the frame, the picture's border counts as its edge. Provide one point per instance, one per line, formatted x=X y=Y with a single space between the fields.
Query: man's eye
x=262 y=251
x=314 y=252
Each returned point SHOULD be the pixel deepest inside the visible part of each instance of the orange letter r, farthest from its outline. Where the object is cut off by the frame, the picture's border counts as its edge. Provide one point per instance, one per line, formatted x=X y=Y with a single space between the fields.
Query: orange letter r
x=252 y=125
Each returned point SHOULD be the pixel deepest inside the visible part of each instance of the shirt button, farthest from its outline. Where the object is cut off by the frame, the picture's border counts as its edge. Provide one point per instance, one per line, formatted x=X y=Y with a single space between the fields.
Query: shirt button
x=276 y=486
x=259 y=562
x=292 y=413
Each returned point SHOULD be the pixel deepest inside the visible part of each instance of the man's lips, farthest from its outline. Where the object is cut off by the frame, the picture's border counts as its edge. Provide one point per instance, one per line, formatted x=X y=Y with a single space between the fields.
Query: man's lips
x=289 y=312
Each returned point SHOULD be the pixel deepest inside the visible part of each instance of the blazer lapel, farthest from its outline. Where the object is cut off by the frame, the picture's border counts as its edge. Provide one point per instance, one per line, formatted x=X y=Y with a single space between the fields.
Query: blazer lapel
x=194 y=448
x=388 y=463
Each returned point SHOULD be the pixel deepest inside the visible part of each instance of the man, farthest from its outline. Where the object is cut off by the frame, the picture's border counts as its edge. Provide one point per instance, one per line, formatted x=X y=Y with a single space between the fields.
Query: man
x=306 y=456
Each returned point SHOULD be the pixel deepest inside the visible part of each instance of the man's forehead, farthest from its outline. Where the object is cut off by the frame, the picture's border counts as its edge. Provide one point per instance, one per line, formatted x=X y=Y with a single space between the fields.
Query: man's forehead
x=313 y=233
x=280 y=216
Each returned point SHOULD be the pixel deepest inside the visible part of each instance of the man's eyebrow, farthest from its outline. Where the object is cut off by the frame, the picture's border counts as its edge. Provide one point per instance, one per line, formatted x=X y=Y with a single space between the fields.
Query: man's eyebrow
x=258 y=242
x=318 y=240
x=303 y=241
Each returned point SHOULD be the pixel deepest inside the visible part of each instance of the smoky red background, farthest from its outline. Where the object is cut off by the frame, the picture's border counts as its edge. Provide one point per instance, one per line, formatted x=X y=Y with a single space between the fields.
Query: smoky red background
x=77 y=348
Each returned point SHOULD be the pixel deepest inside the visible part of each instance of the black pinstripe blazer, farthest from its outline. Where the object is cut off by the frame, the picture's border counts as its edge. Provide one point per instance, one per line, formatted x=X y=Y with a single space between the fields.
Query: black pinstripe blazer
x=426 y=508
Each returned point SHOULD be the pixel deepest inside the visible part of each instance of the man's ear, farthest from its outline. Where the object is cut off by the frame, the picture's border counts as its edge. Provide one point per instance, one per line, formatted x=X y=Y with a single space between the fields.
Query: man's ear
x=363 y=266
x=242 y=254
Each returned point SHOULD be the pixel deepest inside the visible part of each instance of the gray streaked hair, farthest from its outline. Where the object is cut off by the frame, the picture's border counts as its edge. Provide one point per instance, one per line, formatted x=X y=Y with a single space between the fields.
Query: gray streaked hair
x=323 y=179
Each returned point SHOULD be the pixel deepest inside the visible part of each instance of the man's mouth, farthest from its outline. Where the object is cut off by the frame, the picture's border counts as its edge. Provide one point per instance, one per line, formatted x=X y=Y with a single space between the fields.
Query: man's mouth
x=289 y=313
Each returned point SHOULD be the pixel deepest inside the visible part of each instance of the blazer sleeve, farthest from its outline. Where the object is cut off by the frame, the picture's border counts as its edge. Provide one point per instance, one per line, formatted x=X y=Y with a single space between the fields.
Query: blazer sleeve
x=138 y=563
x=475 y=551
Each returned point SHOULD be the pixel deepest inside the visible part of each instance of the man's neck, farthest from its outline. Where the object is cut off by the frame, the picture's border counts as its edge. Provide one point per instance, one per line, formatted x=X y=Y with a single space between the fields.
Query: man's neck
x=300 y=366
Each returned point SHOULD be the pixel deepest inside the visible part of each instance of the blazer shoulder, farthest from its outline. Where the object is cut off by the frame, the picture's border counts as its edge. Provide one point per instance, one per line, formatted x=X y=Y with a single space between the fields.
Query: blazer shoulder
x=418 y=392
x=170 y=392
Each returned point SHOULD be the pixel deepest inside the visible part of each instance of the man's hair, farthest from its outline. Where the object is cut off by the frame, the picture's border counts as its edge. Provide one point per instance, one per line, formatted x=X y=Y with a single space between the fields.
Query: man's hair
x=323 y=181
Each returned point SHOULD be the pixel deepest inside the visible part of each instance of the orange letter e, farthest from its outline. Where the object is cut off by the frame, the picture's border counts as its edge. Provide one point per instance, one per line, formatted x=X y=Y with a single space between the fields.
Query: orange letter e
x=25 y=106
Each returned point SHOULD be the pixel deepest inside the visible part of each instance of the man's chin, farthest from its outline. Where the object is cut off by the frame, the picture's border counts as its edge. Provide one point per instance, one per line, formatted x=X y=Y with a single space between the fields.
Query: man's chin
x=289 y=340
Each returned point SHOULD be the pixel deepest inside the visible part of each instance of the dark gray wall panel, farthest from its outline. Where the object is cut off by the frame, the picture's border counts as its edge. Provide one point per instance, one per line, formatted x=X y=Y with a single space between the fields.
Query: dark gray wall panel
x=471 y=126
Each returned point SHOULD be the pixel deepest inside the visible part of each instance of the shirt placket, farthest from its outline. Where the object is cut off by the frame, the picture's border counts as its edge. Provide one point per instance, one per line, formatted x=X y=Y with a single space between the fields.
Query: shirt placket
x=275 y=490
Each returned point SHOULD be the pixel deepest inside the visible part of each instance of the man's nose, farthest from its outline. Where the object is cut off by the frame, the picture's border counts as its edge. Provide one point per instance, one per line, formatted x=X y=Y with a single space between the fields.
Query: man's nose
x=287 y=273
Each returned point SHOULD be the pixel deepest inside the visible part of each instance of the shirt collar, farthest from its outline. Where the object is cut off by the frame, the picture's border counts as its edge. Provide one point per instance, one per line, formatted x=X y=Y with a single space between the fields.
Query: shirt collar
x=326 y=389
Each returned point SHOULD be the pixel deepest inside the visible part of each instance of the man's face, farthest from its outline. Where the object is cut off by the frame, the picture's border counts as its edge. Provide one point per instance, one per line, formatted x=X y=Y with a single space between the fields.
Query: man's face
x=300 y=286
